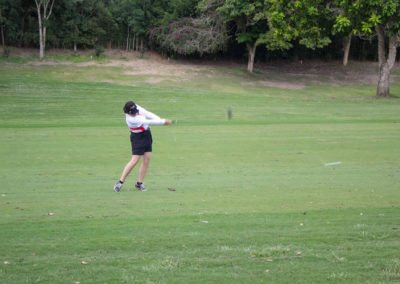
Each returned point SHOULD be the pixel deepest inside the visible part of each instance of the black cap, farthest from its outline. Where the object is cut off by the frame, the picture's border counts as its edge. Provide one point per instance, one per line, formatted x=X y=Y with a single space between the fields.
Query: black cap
x=130 y=108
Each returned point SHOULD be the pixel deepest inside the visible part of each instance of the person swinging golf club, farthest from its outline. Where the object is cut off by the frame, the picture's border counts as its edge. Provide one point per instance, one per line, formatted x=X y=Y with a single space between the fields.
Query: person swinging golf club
x=139 y=120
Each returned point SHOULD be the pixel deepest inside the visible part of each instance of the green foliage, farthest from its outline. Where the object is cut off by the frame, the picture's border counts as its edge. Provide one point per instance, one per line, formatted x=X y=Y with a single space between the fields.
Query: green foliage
x=342 y=24
x=82 y=27
x=313 y=39
x=178 y=9
x=2 y=18
x=248 y=17
x=11 y=12
x=246 y=37
x=281 y=33
x=362 y=16
x=136 y=15
x=277 y=24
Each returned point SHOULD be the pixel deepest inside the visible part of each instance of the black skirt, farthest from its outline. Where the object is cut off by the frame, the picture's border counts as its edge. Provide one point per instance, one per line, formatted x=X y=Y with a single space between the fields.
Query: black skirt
x=141 y=142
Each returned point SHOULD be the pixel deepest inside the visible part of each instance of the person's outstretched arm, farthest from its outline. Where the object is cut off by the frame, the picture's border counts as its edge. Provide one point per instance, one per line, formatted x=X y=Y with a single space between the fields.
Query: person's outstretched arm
x=147 y=113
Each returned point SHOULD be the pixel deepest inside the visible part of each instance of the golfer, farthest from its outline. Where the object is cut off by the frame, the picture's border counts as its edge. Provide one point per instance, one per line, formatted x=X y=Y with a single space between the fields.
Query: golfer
x=139 y=120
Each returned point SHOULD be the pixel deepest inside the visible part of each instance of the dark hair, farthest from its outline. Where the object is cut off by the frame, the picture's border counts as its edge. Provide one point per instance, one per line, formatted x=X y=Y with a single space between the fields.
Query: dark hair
x=130 y=107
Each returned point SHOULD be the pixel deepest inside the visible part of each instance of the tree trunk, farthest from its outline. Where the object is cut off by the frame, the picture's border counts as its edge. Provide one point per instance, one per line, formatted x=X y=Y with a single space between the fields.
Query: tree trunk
x=394 y=42
x=21 y=40
x=3 y=42
x=41 y=49
x=137 y=43
x=75 y=47
x=383 y=83
x=346 y=48
x=252 y=52
x=381 y=44
x=141 y=46
x=42 y=19
x=127 y=40
x=386 y=64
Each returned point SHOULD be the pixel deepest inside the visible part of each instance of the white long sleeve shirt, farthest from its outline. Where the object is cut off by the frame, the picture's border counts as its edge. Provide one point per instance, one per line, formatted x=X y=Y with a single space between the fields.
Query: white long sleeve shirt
x=142 y=120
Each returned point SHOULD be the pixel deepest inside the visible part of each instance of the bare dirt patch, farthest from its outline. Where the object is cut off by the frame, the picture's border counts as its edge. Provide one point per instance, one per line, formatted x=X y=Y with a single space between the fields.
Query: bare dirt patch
x=326 y=72
x=159 y=69
x=276 y=84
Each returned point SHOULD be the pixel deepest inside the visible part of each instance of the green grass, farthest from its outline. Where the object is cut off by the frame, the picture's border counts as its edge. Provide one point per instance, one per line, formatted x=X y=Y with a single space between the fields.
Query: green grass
x=255 y=200
x=16 y=57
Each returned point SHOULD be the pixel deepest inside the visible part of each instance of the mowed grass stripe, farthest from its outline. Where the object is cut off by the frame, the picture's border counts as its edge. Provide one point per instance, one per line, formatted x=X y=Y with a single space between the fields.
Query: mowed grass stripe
x=227 y=248
x=283 y=171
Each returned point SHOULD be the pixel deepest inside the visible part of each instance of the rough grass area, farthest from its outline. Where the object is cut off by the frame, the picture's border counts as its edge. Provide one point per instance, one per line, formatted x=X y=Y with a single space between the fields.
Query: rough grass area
x=300 y=186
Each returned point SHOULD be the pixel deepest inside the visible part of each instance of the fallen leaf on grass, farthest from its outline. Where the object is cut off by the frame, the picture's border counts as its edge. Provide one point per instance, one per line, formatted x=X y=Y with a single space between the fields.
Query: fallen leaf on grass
x=298 y=253
x=50 y=214
x=205 y=222
x=171 y=189
x=84 y=262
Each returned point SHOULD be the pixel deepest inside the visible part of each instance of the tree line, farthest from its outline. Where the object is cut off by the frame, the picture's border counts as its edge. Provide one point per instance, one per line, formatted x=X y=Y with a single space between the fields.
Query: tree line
x=196 y=28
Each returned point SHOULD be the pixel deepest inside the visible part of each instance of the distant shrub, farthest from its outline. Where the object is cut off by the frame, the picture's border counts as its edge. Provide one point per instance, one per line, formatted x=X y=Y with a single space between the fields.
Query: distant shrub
x=98 y=50
x=6 y=52
x=188 y=36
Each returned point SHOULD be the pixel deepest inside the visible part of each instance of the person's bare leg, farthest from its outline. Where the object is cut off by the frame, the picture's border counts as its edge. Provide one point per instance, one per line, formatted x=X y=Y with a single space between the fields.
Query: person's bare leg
x=129 y=166
x=144 y=166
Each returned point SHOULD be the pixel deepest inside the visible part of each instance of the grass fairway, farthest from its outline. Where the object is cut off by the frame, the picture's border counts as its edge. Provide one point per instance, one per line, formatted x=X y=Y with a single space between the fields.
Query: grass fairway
x=301 y=186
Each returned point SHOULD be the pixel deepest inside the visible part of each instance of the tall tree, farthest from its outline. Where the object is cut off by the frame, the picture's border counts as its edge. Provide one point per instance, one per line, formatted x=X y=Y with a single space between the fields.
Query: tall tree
x=85 y=23
x=124 y=13
x=307 y=21
x=2 y=22
x=136 y=18
x=143 y=16
x=12 y=16
x=386 y=58
x=251 y=25
x=382 y=18
x=107 y=26
x=345 y=23
x=44 y=9
x=277 y=23
x=73 y=19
